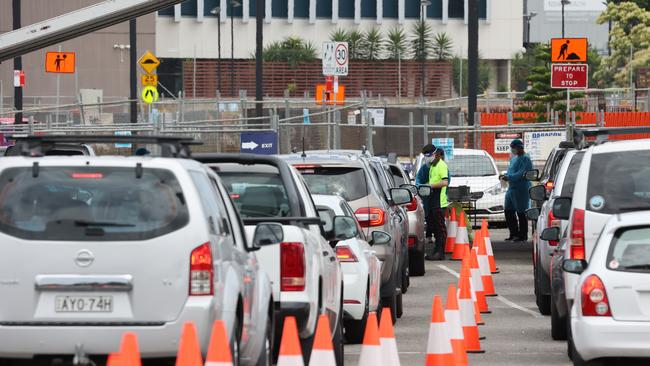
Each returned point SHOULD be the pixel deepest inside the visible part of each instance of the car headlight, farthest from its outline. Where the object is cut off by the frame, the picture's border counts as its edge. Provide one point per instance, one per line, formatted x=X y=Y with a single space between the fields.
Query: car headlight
x=497 y=189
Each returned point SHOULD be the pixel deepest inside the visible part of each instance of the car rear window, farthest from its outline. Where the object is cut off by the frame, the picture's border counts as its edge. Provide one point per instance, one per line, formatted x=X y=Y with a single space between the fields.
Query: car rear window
x=257 y=194
x=619 y=181
x=630 y=250
x=90 y=203
x=572 y=174
x=471 y=166
x=346 y=182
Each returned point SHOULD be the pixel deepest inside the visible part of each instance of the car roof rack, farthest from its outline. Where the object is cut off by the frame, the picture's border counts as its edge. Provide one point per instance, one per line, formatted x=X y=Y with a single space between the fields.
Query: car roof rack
x=171 y=146
x=602 y=134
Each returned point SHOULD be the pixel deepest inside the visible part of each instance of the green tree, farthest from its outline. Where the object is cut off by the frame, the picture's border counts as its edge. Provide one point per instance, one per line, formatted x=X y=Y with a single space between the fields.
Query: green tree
x=373 y=44
x=643 y=4
x=442 y=47
x=397 y=44
x=629 y=42
x=421 y=40
x=339 y=35
x=355 y=41
x=484 y=71
x=292 y=50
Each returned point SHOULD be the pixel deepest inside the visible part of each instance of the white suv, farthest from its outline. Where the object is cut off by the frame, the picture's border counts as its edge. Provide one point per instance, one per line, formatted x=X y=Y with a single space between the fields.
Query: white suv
x=94 y=247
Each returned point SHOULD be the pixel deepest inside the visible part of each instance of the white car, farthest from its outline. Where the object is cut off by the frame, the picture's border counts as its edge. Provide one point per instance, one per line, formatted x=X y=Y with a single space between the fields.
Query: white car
x=361 y=272
x=94 y=247
x=611 y=313
x=478 y=170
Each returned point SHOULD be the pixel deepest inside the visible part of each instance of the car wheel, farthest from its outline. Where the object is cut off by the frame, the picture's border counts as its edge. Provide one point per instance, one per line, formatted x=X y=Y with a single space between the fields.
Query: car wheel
x=543 y=301
x=390 y=302
x=235 y=341
x=558 y=324
x=399 y=308
x=416 y=263
x=266 y=354
x=405 y=279
x=355 y=329
x=338 y=340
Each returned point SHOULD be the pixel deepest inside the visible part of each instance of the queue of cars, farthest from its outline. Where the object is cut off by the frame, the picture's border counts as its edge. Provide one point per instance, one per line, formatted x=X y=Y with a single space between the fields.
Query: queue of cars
x=146 y=243
x=600 y=269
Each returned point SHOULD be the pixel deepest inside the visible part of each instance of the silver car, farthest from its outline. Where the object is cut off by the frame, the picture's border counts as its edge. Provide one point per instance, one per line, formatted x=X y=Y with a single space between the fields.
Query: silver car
x=94 y=247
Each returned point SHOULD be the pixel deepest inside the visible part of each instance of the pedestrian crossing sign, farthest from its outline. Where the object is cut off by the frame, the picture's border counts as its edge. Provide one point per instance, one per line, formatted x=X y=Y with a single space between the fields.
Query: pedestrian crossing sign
x=149 y=94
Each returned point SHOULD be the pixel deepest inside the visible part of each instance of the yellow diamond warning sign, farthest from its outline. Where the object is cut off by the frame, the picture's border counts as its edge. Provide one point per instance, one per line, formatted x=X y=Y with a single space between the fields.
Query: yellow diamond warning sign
x=148 y=62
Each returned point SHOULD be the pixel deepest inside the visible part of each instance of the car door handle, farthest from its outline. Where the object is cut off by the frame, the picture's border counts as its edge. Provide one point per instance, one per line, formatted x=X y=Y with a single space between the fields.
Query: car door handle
x=325 y=253
x=332 y=259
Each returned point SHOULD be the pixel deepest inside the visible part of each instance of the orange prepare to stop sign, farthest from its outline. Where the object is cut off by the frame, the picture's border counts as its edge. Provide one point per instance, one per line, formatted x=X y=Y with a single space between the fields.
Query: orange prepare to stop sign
x=60 y=62
x=569 y=50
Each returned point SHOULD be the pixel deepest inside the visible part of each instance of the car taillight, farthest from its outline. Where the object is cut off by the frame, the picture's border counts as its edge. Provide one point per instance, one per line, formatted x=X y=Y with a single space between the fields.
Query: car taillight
x=345 y=254
x=549 y=186
x=552 y=222
x=370 y=216
x=594 y=297
x=292 y=267
x=577 y=235
x=412 y=241
x=413 y=206
x=201 y=271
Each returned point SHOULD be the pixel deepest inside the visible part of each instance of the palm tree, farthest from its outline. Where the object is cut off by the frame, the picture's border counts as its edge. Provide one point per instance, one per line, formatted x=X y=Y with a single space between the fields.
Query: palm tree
x=355 y=41
x=373 y=44
x=421 y=40
x=292 y=50
x=396 y=44
x=339 y=35
x=442 y=47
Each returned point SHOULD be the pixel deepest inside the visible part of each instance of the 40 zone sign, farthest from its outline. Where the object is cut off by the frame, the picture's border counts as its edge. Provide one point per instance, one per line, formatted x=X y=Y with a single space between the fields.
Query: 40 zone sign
x=569 y=76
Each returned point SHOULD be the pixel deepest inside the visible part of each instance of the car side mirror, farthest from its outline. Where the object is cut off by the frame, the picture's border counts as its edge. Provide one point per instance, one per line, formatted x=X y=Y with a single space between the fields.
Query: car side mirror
x=537 y=193
x=400 y=196
x=411 y=188
x=326 y=216
x=532 y=214
x=345 y=227
x=550 y=234
x=267 y=233
x=562 y=208
x=532 y=175
x=380 y=238
x=424 y=191
x=576 y=266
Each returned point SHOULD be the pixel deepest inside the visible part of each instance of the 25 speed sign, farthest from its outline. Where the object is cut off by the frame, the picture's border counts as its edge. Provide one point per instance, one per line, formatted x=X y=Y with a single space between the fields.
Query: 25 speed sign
x=569 y=76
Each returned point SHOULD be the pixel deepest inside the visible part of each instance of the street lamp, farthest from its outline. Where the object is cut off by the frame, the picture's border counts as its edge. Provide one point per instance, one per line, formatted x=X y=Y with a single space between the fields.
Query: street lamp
x=528 y=17
x=217 y=11
x=234 y=4
x=423 y=17
x=564 y=3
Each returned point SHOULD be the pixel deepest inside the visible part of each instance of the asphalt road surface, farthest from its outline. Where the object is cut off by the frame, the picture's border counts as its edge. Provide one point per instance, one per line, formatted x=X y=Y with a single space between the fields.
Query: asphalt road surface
x=516 y=334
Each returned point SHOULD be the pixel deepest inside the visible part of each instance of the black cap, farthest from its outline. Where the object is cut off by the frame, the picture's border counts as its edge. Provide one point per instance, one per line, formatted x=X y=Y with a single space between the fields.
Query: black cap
x=428 y=149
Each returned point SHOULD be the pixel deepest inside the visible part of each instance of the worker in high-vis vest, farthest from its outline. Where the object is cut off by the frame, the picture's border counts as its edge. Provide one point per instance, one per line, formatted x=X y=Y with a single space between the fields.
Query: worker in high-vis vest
x=438 y=180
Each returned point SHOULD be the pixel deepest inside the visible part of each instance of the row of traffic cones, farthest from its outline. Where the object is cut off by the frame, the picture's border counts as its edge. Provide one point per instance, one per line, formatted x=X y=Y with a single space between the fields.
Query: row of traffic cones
x=458 y=238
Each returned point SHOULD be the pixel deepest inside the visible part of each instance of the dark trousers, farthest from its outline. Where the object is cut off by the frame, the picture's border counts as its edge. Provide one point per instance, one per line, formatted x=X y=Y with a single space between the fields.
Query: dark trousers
x=437 y=226
x=517 y=224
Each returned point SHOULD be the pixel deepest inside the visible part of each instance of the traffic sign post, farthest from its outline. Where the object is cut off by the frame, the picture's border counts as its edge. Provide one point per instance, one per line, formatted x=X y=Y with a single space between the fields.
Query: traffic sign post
x=60 y=62
x=150 y=80
x=148 y=62
x=261 y=143
x=569 y=76
x=149 y=94
x=566 y=50
x=336 y=58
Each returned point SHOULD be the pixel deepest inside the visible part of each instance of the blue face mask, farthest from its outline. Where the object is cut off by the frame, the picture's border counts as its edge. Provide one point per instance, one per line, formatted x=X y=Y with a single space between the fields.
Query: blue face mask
x=513 y=152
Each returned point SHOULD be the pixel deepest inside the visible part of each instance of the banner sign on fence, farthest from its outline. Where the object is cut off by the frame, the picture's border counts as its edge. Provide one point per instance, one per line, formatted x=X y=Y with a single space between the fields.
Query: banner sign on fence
x=377 y=116
x=502 y=141
x=447 y=144
x=539 y=144
x=123 y=145
x=261 y=143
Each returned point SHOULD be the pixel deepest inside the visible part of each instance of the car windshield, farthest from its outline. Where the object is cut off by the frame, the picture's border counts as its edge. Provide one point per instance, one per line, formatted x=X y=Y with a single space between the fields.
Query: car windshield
x=348 y=183
x=630 y=250
x=90 y=203
x=619 y=181
x=257 y=194
x=471 y=166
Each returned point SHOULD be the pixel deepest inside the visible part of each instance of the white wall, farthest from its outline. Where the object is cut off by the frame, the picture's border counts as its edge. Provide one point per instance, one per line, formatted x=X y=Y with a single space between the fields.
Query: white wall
x=499 y=39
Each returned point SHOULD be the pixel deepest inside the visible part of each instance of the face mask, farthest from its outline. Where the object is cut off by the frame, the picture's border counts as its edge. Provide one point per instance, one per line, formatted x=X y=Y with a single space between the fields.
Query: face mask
x=513 y=152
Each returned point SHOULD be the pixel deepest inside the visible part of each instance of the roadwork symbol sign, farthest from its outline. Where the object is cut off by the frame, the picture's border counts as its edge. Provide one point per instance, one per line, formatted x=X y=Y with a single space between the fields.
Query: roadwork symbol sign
x=149 y=94
x=148 y=62
x=60 y=62
x=569 y=50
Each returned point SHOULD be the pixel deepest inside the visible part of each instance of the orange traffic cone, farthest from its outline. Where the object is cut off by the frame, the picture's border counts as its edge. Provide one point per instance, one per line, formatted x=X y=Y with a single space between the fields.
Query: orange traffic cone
x=387 y=339
x=452 y=316
x=129 y=351
x=189 y=351
x=488 y=247
x=219 y=348
x=484 y=266
x=439 y=349
x=290 y=352
x=462 y=240
x=371 y=354
x=478 y=283
x=465 y=271
x=322 y=353
x=115 y=359
x=452 y=228
x=467 y=319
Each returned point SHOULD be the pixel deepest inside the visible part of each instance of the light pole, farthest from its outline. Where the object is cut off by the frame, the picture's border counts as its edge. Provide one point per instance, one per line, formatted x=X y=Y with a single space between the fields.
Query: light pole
x=528 y=18
x=217 y=11
x=423 y=17
x=233 y=4
x=564 y=3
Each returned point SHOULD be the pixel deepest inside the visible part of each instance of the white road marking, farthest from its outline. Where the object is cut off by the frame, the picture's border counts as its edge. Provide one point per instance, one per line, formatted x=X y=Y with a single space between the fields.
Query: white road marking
x=500 y=298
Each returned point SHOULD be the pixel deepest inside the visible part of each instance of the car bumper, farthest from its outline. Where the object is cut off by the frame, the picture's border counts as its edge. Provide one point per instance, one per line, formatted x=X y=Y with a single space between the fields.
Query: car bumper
x=299 y=310
x=490 y=207
x=596 y=337
x=355 y=283
x=26 y=341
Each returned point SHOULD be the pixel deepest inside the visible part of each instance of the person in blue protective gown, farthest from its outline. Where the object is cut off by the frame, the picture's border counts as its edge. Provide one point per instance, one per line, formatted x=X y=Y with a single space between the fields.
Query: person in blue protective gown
x=517 y=201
